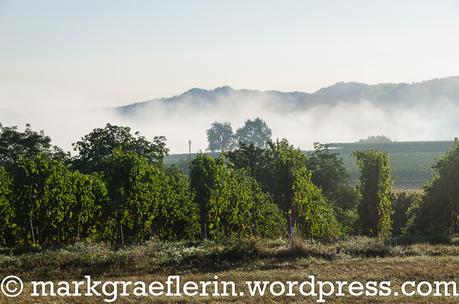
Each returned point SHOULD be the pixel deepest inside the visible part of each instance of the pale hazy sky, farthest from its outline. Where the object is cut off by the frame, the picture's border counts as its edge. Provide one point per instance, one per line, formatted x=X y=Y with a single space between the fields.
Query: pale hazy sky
x=71 y=54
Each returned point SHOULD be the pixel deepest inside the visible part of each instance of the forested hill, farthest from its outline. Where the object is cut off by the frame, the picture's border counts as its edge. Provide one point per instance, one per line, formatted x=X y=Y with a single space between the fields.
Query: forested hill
x=384 y=95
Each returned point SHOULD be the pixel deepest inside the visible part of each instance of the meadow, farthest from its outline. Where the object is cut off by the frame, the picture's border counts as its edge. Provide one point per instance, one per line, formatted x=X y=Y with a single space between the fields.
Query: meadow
x=359 y=258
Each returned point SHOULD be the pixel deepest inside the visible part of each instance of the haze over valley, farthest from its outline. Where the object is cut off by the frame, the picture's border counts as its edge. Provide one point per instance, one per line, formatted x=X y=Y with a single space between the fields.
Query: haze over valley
x=343 y=112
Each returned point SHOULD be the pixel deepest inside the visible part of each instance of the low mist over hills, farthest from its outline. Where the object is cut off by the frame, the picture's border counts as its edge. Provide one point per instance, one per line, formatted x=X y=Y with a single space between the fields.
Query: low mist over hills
x=342 y=112
x=382 y=95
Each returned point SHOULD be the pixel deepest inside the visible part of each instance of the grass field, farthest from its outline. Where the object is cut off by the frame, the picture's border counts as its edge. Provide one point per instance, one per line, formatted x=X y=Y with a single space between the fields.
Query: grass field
x=356 y=259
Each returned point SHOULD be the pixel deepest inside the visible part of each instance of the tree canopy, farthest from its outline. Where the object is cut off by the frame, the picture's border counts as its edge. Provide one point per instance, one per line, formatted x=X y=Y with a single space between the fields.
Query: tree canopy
x=438 y=212
x=220 y=137
x=375 y=184
x=15 y=144
x=254 y=132
x=117 y=189
x=231 y=202
x=94 y=148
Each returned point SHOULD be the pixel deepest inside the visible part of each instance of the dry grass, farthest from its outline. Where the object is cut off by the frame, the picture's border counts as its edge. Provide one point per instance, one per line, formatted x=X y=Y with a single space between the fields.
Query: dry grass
x=357 y=259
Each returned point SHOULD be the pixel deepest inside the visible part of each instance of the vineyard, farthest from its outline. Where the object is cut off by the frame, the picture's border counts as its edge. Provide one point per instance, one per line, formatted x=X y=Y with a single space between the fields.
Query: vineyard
x=411 y=162
x=122 y=207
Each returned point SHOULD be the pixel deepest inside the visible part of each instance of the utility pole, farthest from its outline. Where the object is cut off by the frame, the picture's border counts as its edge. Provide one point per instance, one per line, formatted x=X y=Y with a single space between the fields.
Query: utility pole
x=189 y=150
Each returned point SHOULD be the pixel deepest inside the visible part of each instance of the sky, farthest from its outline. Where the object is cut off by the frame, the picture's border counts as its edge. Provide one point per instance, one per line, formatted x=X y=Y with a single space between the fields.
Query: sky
x=61 y=62
x=88 y=54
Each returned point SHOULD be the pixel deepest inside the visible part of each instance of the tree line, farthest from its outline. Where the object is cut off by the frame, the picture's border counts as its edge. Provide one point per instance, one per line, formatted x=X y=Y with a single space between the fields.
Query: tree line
x=221 y=137
x=116 y=188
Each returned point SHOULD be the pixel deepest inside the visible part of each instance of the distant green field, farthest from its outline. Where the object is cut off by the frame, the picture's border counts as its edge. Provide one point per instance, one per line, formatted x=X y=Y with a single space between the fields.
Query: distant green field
x=411 y=161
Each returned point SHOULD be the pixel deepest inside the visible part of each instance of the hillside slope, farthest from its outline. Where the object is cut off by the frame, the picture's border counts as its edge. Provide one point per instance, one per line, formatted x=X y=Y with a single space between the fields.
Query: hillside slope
x=383 y=95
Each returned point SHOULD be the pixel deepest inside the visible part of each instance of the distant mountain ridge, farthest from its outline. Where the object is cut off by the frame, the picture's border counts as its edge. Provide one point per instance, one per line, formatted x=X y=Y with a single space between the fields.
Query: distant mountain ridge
x=382 y=95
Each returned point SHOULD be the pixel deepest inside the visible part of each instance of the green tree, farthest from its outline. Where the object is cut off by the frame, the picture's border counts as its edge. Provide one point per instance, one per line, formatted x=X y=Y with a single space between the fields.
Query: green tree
x=202 y=180
x=131 y=189
x=15 y=144
x=231 y=202
x=90 y=196
x=237 y=206
x=145 y=201
x=438 y=213
x=94 y=148
x=281 y=170
x=291 y=184
x=403 y=204
x=267 y=219
x=42 y=199
x=220 y=137
x=29 y=178
x=54 y=205
x=330 y=175
x=7 y=224
x=254 y=132
x=375 y=184
x=249 y=157
x=314 y=217
x=177 y=216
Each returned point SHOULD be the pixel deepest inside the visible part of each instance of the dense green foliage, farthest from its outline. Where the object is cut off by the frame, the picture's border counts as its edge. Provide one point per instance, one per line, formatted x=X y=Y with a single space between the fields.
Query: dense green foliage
x=7 y=225
x=146 y=201
x=53 y=204
x=254 y=132
x=403 y=208
x=439 y=211
x=220 y=135
x=375 y=184
x=232 y=203
x=202 y=180
x=93 y=149
x=330 y=175
x=411 y=162
x=15 y=145
x=282 y=171
x=117 y=189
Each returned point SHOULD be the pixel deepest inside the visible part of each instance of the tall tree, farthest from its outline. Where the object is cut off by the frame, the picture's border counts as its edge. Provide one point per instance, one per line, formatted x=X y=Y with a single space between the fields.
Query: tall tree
x=15 y=144
x=330 y=175
x=220 y=137
x=177 y=216
x=90 y=197
x=146 y=202
x=249 y=157
x=7 y=224
x=281 y=170
x=52 y=204
x=375 y=184
x=403 y=204
x=231 y=202
x=288 y=179
x=94 y=148
x=202 y=179
x=29 y=176
x=254 y=132
x=438 y=213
